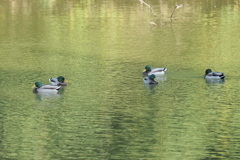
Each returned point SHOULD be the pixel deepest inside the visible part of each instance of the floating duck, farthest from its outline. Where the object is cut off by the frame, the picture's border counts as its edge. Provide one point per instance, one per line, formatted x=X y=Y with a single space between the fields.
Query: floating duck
x=155 y=71
x=213 y=75
x=60 y=81
x=45 y=88
x=150 y=79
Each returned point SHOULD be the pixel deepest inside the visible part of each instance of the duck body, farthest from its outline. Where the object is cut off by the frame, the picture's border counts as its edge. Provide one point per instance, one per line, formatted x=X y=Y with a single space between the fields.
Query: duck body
x=150 y=79
x=60 y=81
x=213 y=75
x=39 y=88
x=156 y=71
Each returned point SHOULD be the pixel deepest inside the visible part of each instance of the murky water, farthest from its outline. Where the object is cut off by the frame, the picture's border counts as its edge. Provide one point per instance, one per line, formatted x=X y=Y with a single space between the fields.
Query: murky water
x=105 y=111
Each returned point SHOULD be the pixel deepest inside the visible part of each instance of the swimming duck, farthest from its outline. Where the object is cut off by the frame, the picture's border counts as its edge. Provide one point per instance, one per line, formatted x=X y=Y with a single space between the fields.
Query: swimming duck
x=213 y=75
x=156 y=71
x=60 y=81
x=45 y=88
x=150 y=79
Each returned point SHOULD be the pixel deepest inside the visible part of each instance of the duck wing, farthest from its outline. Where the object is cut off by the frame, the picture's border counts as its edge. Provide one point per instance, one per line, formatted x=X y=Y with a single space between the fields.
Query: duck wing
x=53 y=81
x=50 y=87
x=214 y=74
x=158 y=70
x=217 y=74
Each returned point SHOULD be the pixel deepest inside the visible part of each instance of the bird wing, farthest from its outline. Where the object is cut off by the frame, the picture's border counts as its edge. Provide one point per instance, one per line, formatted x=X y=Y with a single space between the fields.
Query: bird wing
x=158 y=69
x=217 y=73
x=53 y=80
x=50 y=87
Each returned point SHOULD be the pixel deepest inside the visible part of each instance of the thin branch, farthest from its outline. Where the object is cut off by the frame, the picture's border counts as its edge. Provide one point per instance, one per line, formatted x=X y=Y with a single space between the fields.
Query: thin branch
x=148 y=6
x=176 y=7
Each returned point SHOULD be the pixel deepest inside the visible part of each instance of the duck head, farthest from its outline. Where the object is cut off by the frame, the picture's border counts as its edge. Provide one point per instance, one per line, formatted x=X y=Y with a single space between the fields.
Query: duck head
x=208 y=71
x=61 y=79
x=152 y=77
x=148 y=68
x=38 y=84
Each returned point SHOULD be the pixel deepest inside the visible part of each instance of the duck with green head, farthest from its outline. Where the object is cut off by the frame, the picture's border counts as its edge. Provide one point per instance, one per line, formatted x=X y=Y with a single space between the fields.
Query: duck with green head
x=156 y=71
x=45 y=88
x=213 y=75
x=150 y=79
x=60 y=81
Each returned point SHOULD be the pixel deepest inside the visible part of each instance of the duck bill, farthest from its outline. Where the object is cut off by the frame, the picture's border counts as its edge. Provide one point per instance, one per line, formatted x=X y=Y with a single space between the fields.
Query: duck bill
x=65 y=80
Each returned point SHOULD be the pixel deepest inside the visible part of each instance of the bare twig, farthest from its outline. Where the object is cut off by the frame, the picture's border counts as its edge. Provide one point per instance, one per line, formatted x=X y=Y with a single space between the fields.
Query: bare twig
x=148 y=6
x=176 y=7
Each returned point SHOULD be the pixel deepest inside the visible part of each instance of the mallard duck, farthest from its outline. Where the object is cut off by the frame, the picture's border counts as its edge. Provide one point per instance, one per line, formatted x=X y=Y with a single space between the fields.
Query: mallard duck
x=45 y=88
x=156 y=71
x=213 y=75
x=60 y=81
x=150 y=79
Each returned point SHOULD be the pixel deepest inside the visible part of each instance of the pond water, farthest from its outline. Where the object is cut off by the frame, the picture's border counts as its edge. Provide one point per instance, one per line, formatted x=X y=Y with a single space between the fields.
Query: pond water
x=105 y=111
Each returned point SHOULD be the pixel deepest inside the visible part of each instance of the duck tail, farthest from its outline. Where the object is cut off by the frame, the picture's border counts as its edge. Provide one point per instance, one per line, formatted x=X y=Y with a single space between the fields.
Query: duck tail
x=58 y=88
x=222 y=76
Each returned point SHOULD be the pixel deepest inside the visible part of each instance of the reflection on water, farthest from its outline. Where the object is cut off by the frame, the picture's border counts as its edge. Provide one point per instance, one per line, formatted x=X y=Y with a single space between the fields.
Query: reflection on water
x=214 y=81
x=151 y=87
x=45 y=95
x=161 y=79
x=105 y=111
